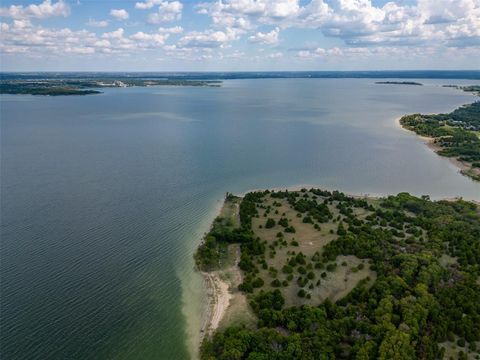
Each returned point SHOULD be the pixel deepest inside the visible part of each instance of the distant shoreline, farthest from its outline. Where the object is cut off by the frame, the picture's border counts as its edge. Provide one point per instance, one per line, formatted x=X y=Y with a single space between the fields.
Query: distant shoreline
x=231 y=75
x=84 y=86
x=399 y=83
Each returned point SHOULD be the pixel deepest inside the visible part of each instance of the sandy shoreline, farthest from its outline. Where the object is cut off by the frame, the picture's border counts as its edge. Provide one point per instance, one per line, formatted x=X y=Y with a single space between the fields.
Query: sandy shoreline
x=430 y=142
x=218 y=300
x=220 y=285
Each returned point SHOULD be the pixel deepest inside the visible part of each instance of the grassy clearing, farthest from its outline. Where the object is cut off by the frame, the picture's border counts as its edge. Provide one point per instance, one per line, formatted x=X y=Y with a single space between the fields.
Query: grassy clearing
x=309 y=239
x=455 y=349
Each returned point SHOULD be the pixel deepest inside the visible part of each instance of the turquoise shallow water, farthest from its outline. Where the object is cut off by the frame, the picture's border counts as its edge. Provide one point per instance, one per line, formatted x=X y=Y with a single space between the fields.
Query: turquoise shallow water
x=105 y=198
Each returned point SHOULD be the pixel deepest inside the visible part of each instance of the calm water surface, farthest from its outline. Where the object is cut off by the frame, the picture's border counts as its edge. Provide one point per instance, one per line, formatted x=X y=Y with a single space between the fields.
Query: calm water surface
x=105 y=198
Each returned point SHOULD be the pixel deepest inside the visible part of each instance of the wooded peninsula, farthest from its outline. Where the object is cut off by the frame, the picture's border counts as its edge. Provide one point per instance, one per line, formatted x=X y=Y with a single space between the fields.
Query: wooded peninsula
x=325 y=275
x=455 y=135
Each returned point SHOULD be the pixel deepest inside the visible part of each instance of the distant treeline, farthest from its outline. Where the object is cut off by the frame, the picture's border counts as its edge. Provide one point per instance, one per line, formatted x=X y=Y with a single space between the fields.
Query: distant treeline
x=399 y=83
x=408 y=74
x=84 y=86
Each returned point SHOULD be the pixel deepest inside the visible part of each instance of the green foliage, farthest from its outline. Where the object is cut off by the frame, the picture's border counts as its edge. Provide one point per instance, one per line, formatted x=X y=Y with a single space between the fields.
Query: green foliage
x=414 y=303
x=270 y=223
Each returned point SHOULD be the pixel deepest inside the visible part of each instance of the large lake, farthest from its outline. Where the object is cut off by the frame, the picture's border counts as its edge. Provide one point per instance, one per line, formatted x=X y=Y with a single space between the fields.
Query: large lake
x=105 y=197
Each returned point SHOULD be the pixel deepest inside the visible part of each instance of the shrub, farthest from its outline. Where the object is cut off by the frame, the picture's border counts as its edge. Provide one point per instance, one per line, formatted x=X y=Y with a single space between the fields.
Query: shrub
x=276 y=283
x=331 y=267
x=270 y=223
x=257 y=283
x=307 y=220
x=290 y=229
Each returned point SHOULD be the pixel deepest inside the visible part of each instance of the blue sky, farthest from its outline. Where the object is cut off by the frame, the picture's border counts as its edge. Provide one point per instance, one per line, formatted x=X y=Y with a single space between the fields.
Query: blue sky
x=229 y=35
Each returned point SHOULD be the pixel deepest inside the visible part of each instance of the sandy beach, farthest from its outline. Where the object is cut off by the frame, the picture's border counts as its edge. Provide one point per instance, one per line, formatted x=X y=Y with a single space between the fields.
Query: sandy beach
x=221 y=285
x=218 y=297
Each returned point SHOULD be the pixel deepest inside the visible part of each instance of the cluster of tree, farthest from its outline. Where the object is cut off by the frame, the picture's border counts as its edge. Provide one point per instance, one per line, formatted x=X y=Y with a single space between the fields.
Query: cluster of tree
x=213 y=250
x=414 y=304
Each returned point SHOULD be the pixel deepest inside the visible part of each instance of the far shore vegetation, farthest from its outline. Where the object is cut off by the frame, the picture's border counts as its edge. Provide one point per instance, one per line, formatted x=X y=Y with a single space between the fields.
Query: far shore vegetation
x=399 y=83
x=73 y=86
x=332 y=276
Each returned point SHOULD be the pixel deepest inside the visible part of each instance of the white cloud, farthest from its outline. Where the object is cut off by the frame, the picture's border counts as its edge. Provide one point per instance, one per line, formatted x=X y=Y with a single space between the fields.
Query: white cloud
x=117 y=34
x=97 y=23
x=170 y=30
x=363 y=28
x=119 y=14
x=358 y=22
x=245 y=14
x=167 y=11
x=42 y=11
x=23 y=37
x=269 y=38
x=153 y=38
x=147 y=4
x=377 y=52
x=208 y=38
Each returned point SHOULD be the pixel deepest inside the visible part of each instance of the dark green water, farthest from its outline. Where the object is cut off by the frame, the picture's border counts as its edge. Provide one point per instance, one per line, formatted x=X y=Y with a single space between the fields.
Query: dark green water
x=104 y=198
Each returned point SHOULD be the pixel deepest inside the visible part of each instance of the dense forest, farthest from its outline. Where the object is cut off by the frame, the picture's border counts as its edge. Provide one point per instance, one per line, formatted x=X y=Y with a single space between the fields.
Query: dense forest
x=457 y=133
x=425 y=297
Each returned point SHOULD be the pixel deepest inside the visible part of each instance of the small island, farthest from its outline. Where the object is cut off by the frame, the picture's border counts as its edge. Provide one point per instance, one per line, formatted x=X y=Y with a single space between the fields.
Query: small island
x=316 y=274
x=455 y=135
x=399 y=83
x=467 y=88
x=74 y=86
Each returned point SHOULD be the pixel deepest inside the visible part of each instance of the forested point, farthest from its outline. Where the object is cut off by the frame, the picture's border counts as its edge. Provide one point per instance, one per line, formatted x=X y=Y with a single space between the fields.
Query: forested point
x=422 y=303
x=457 y=134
